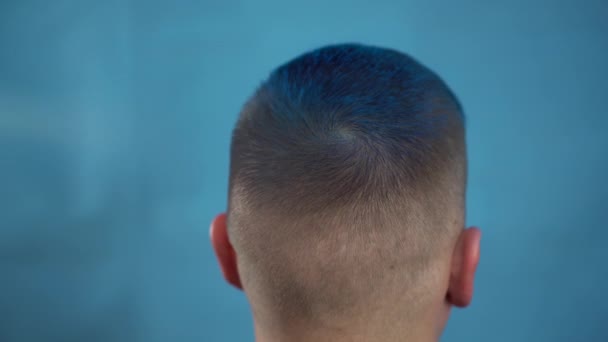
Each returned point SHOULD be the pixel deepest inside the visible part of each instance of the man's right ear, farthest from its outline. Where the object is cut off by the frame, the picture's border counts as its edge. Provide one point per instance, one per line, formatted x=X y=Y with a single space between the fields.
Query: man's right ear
x=464 y=265
x=224 y=252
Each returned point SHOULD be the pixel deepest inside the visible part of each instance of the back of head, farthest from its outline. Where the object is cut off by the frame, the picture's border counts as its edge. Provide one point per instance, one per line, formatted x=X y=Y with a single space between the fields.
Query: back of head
x=347 y=184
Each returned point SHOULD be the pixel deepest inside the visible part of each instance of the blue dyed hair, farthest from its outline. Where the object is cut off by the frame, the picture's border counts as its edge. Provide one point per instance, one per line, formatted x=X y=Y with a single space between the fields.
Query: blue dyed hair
x=347 y=123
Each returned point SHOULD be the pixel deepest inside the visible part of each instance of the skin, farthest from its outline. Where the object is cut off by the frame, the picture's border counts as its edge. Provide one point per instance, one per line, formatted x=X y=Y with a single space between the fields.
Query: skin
x=457 y=292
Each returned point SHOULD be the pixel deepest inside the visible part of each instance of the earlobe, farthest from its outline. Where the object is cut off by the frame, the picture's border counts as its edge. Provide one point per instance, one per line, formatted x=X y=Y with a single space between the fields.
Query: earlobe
x=464 y=265
x=224 y=251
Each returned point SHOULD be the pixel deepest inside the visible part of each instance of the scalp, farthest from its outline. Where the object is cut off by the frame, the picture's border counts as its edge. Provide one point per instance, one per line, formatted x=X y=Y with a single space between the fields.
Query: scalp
x=347 y=177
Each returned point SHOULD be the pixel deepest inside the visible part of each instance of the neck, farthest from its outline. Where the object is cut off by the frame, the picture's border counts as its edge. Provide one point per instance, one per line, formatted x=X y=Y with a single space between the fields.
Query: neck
x=424 y=325
x=358 y=333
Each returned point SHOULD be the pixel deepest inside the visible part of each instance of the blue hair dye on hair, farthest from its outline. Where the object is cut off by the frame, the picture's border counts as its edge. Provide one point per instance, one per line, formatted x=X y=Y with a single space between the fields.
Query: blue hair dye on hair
x=346 y=117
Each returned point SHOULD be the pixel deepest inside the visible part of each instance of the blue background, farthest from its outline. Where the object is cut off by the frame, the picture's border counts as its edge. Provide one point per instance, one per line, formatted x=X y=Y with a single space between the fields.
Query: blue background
x=115 y=120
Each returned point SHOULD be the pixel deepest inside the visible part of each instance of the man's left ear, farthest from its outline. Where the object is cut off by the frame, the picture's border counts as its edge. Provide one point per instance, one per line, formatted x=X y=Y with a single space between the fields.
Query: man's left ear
x=224 y=252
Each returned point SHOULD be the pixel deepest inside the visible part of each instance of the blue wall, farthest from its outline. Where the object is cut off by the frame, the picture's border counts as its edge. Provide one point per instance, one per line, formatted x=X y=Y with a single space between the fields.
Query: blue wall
x=115 y=119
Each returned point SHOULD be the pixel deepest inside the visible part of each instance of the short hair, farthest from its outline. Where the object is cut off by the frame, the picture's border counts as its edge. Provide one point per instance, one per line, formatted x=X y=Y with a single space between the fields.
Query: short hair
x=347 y=175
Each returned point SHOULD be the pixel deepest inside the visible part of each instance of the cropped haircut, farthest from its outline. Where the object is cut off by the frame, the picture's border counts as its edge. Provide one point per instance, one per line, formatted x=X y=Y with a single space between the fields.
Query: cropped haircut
x=347 y=177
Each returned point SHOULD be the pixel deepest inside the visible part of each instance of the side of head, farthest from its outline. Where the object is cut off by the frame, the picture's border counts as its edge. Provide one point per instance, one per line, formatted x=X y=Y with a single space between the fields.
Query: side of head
x=346 y=199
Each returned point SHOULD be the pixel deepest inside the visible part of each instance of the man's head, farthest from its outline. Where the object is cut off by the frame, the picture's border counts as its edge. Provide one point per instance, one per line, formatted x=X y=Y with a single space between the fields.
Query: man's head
x=346 y=199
